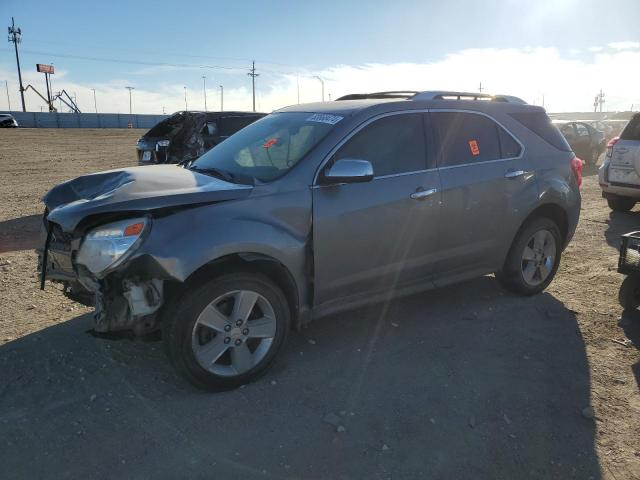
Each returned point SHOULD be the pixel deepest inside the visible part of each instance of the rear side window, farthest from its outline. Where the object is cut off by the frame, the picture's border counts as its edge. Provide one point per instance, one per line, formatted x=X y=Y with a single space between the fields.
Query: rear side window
x=632 y=130
x=469 y=138
x=509 y=148
x=393 y=144
x=540 y=124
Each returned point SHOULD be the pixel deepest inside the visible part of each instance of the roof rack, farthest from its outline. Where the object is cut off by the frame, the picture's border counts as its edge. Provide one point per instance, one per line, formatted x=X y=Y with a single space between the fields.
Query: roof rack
x=379 y=95
x=434 y=95
x=445 y=95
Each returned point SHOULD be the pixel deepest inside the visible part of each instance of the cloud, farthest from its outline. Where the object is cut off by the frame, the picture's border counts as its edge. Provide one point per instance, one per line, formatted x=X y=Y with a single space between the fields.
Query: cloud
x=568 y=82
x=624 y=45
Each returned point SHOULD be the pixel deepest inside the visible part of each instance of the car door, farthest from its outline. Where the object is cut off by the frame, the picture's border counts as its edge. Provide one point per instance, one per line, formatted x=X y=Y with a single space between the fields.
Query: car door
x=379 y=236
x=487 y=187
x=583 y=142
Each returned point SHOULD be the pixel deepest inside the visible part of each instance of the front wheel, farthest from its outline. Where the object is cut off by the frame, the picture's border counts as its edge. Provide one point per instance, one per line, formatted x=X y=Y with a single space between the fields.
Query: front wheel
x=533 y=259
x=227 y=332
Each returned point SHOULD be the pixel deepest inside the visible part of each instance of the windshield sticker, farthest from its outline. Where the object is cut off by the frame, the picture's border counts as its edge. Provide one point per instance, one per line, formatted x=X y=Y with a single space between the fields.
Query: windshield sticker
x=473 y=146
x=325 y=118
x=270 y=143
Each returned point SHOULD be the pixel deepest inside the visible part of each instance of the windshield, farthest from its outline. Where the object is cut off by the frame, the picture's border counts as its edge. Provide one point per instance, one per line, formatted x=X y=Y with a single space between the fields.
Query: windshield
x=270 y=147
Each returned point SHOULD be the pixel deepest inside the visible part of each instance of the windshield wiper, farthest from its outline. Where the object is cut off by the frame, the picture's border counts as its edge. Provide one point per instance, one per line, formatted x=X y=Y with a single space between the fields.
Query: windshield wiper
x=224 y=175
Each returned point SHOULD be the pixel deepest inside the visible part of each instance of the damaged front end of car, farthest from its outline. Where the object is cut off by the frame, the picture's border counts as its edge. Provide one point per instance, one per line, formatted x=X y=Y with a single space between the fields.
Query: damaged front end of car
x=96 y=239
x=93 y=269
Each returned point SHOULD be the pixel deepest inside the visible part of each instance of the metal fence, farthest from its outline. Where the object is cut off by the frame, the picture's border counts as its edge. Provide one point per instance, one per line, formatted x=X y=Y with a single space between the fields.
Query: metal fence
x=84 y=120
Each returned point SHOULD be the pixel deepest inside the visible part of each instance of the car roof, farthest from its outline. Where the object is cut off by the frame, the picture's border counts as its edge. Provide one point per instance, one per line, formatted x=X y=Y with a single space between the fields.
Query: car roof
x=350 y=104
x=342 y=107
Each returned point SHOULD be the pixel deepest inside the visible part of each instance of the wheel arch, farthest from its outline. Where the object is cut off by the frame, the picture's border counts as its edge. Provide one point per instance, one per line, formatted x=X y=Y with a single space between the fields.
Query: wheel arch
x=250 y=262
x=554 y=212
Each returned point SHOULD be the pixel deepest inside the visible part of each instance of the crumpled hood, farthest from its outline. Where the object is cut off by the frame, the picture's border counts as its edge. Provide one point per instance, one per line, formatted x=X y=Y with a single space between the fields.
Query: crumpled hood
x=135 y=189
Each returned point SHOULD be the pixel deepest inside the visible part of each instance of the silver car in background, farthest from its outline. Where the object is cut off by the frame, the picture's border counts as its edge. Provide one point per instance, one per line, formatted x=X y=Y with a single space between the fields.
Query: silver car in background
x=619 y=175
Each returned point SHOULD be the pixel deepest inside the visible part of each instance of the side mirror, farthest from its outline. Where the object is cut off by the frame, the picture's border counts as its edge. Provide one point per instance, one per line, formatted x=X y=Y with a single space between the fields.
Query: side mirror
x=348 y=170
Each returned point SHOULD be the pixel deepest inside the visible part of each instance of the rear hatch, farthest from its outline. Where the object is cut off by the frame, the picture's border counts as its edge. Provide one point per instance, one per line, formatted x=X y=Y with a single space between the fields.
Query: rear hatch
x=624 y=164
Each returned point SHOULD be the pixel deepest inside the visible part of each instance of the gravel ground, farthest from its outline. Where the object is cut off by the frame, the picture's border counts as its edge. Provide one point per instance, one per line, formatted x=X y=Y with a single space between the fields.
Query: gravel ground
x=464 y=382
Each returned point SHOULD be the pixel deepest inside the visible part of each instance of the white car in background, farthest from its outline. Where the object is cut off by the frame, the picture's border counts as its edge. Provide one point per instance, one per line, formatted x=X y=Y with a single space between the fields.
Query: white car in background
x=619 y=175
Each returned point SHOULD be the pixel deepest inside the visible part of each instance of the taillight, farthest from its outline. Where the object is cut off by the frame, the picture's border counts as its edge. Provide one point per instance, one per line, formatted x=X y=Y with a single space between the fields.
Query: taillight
x=610 y=145
x=576 y=166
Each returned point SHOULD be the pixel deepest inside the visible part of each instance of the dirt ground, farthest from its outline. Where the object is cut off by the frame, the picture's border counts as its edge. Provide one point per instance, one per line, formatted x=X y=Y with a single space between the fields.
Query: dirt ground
x=468 y=382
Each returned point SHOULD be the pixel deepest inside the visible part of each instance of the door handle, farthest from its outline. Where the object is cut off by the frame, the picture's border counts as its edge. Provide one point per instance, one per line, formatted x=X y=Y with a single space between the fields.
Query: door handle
x=514 y=173
x=422 y=194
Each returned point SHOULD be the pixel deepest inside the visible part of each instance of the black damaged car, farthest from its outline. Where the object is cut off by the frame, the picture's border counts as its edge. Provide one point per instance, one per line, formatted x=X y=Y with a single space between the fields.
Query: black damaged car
x=186 y=136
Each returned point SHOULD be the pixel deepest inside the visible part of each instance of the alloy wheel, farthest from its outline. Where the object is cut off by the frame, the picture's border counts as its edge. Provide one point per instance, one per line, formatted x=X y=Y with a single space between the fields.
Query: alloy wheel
x=538 y=257
x=234 y=333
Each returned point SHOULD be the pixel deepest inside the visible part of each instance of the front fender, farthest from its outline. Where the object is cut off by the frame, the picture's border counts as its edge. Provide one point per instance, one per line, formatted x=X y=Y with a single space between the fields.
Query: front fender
x=277 y=226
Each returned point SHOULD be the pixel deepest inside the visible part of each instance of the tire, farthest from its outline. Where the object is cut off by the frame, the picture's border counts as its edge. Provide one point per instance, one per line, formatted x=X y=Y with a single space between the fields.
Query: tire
x=621 y=204
x=629 y=293
x=222 y=348
x=537 y=248
x=594 y=156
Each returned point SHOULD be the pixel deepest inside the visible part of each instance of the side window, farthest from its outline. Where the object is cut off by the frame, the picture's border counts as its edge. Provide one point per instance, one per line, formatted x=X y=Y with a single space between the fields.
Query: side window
x=393 y=144
x=582 y=130
x=465 y=138
x=509 y=148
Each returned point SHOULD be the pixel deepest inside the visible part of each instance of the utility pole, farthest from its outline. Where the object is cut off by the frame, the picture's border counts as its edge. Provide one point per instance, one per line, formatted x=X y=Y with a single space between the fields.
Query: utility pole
x=480 y=88
x=322 y=82
x=15 y=35
x=186 y=108
x=298 y=86
x=598 y=101
x=95 y=104
x=204 y=90
x=6 y=85
x=253 y=76
x=221 y=98
x=130 y=88
x=163 y=112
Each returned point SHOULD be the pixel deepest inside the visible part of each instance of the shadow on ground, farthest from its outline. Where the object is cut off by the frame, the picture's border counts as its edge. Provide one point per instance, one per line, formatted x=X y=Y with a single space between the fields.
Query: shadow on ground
x=466 y=382
x=20 y=233
x=620 y=223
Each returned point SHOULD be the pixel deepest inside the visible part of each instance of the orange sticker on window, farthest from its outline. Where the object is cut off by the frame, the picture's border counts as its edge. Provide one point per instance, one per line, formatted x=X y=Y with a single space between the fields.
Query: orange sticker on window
x=473 y=146
x=270 y=143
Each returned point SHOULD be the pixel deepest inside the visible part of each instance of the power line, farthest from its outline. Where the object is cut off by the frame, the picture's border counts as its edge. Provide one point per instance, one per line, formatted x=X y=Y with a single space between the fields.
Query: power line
x=229 y=68
x=131 y=62
x=165 y=54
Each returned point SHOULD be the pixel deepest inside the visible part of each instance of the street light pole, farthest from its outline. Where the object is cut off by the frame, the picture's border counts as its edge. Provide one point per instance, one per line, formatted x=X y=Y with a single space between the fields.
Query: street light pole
x=221 y=98
x=186 y=108
x=6 y=85
x=130 y=109
x=204 y=90
x=322 y=82
x=95 y=103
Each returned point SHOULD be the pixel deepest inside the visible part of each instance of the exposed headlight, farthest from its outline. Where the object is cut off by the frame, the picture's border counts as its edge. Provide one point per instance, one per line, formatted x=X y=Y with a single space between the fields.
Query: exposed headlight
x=106 y=246
x=163 y=143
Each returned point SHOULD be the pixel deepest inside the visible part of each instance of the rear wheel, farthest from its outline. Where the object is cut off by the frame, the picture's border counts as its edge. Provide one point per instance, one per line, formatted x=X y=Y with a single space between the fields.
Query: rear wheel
x=227 y=332
x=595 y=154
x=533 y=259
x=621 y=204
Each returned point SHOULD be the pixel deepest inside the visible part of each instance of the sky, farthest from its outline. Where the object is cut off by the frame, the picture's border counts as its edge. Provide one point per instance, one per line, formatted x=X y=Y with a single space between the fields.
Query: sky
x=560 y=52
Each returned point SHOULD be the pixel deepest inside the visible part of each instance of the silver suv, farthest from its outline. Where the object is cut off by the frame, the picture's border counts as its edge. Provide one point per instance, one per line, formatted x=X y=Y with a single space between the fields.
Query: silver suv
x=312 y=210
x=619 y=175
